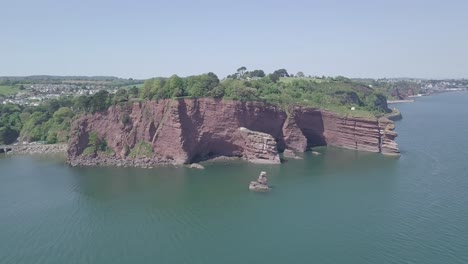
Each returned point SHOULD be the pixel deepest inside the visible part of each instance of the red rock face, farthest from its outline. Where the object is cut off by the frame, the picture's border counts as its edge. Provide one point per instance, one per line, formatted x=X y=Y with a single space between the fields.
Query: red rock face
x=190 y=130
x=259 y=147
x=388 y=146
x=294 y=138
x=352 y=133
x=304 y=129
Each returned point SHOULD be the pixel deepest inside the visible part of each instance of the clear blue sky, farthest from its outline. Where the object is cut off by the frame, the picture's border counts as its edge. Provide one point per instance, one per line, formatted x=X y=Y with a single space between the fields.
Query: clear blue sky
x=142 y=39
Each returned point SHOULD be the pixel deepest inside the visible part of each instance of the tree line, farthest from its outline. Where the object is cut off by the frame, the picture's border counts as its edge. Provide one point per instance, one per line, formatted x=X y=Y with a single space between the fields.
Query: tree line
x=50 y=122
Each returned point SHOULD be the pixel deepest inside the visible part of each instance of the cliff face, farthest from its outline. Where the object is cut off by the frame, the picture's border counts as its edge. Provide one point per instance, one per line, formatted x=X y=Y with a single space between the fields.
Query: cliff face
x=190 y=130
x=388 y=145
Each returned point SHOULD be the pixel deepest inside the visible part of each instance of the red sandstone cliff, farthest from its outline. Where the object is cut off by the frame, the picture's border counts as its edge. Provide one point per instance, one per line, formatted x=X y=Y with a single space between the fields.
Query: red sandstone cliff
x=190 y=130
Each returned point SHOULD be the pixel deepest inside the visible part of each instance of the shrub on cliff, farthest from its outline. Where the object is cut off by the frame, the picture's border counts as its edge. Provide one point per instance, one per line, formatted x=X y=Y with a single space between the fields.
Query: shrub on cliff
x=95 y=145
x=142 y=149
x=121 y=96
x=100 y=101
x=125 y=118
x=377 y=103
x=96 y=142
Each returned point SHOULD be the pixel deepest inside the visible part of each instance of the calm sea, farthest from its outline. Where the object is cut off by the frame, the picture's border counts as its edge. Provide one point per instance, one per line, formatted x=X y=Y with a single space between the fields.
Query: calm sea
x=340 y=207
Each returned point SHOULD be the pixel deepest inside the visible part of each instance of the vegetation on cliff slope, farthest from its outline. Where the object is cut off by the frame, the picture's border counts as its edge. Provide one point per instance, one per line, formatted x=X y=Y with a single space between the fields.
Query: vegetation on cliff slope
x=395 y=90
x=337 y=94
x=142 y=149
x=97 y=145
x=50 y=121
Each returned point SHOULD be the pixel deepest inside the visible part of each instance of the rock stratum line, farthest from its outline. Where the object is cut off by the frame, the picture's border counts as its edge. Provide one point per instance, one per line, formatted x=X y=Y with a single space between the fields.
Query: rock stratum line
x=190 y=130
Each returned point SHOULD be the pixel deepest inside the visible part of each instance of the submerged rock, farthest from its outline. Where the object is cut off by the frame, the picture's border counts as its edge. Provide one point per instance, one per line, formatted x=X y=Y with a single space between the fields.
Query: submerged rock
x=196 y=166
x=288 y=153
x=255 y=186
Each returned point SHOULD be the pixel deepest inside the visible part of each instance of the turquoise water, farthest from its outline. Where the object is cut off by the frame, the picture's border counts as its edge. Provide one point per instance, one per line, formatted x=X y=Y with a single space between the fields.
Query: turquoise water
x=340 y=207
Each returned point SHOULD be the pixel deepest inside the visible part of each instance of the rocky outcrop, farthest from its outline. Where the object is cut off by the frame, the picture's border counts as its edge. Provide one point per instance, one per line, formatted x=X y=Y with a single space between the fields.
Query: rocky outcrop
x=191 y=130
x=294 y=138
x=261 y=184
x=395 y=115
x=290 y=154
x=388 y=146
x=259 y=147
x=196 y=166
x=351 y=132
x=320 y=128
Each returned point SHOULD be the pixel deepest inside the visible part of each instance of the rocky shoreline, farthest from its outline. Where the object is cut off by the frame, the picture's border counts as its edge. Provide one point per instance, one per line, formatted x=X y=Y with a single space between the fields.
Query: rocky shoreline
x=143 y=162
x=395 y=115
x=37 y=149
x=117 y=162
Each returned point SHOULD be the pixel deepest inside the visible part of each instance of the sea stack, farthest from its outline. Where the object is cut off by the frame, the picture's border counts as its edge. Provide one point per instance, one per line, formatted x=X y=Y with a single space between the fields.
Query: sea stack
x=261 y=184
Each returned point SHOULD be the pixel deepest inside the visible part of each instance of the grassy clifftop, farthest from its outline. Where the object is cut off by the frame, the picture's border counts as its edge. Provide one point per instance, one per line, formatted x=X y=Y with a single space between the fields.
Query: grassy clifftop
x=335 y=94
x=50 y=121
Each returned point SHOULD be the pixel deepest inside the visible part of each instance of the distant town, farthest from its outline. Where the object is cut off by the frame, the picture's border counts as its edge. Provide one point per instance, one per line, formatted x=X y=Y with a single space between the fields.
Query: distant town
x=36 y=93
x=33 y=90
x=435 y=85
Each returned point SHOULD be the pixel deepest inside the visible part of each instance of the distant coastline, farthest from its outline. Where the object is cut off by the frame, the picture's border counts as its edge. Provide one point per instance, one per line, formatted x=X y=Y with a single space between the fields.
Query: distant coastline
x=400 y=101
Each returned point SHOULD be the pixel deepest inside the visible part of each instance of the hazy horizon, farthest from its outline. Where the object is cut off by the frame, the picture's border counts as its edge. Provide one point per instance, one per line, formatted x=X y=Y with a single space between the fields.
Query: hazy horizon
x=219 y=76
x=144 y=39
